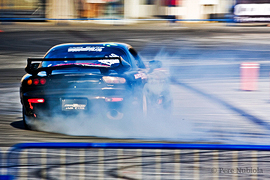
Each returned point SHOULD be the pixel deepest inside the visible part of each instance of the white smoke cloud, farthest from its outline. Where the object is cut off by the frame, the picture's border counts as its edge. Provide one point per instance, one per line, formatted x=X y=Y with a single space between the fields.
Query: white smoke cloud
x=160 y=125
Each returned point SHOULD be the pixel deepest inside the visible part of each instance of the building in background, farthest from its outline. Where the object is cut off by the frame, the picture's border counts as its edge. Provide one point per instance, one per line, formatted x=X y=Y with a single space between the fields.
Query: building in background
x=22 y=8
x=128 y=9
x=181 y=9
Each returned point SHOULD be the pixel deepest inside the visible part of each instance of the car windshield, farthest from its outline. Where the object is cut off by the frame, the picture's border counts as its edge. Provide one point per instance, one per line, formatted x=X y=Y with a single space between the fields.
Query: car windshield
x=83 y=51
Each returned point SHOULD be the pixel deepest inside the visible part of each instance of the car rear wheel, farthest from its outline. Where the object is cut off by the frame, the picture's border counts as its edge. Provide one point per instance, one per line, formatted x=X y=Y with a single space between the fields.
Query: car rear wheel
x=147 y=108
x=26 y=125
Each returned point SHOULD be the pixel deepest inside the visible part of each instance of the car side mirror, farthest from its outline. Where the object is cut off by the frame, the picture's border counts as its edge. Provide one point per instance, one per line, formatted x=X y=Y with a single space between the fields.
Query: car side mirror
x=31 y=67
x=154 y=64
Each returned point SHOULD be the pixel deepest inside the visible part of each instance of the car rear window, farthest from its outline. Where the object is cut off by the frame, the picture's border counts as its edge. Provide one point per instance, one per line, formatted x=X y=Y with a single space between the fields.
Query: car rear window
x=85 y=51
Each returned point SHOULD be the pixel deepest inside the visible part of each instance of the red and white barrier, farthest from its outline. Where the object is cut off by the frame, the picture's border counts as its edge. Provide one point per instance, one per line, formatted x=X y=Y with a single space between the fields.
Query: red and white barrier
x=249 y=76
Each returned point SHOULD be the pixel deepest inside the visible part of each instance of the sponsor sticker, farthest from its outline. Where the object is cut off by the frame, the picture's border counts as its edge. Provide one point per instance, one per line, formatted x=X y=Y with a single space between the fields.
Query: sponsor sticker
x=85 y=49
x=140 y=75
x=109 y=62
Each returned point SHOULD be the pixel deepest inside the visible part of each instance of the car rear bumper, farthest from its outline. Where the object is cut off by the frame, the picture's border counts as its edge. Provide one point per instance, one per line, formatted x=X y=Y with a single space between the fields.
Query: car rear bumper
x=81 y=102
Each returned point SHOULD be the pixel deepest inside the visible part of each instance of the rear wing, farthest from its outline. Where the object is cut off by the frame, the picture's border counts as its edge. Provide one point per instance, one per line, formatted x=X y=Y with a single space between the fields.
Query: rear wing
x=103 y=64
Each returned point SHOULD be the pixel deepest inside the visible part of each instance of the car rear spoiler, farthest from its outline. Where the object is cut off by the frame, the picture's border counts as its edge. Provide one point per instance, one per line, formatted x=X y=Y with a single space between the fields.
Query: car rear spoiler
x=33 y=64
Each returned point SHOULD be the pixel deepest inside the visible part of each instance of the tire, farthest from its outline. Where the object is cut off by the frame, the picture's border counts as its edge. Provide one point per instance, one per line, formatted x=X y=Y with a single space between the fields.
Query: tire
x=145 y=106
x=27 y=126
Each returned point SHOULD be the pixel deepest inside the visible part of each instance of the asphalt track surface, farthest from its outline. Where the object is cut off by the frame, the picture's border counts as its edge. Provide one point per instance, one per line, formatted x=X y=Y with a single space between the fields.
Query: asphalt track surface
x=203 y=62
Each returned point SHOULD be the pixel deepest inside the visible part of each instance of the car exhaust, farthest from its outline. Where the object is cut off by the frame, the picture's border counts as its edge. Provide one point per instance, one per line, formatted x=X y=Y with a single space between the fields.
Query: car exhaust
x=114 y=114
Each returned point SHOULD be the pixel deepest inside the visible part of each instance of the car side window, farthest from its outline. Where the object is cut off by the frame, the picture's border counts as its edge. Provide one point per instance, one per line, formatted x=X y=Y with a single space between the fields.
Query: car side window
x=137 y=58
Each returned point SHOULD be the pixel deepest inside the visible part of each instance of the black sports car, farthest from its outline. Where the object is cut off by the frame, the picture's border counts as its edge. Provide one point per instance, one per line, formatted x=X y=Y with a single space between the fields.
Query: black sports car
x=94 y=78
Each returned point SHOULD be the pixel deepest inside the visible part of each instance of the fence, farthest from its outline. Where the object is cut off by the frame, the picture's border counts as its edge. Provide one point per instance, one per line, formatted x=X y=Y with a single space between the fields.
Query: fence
x=137 y=161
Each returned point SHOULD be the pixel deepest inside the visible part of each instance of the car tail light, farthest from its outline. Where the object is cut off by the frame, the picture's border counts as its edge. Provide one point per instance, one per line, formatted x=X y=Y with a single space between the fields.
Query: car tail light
x=30 y=82
x=114 y=80
x=35 y=81
x=35 y=100
x=42 y=81
x=113 y=99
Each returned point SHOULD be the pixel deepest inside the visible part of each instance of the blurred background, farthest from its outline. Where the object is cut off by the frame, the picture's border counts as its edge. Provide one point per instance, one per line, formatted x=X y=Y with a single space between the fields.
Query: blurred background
x=237 y=10
x=129 y=9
